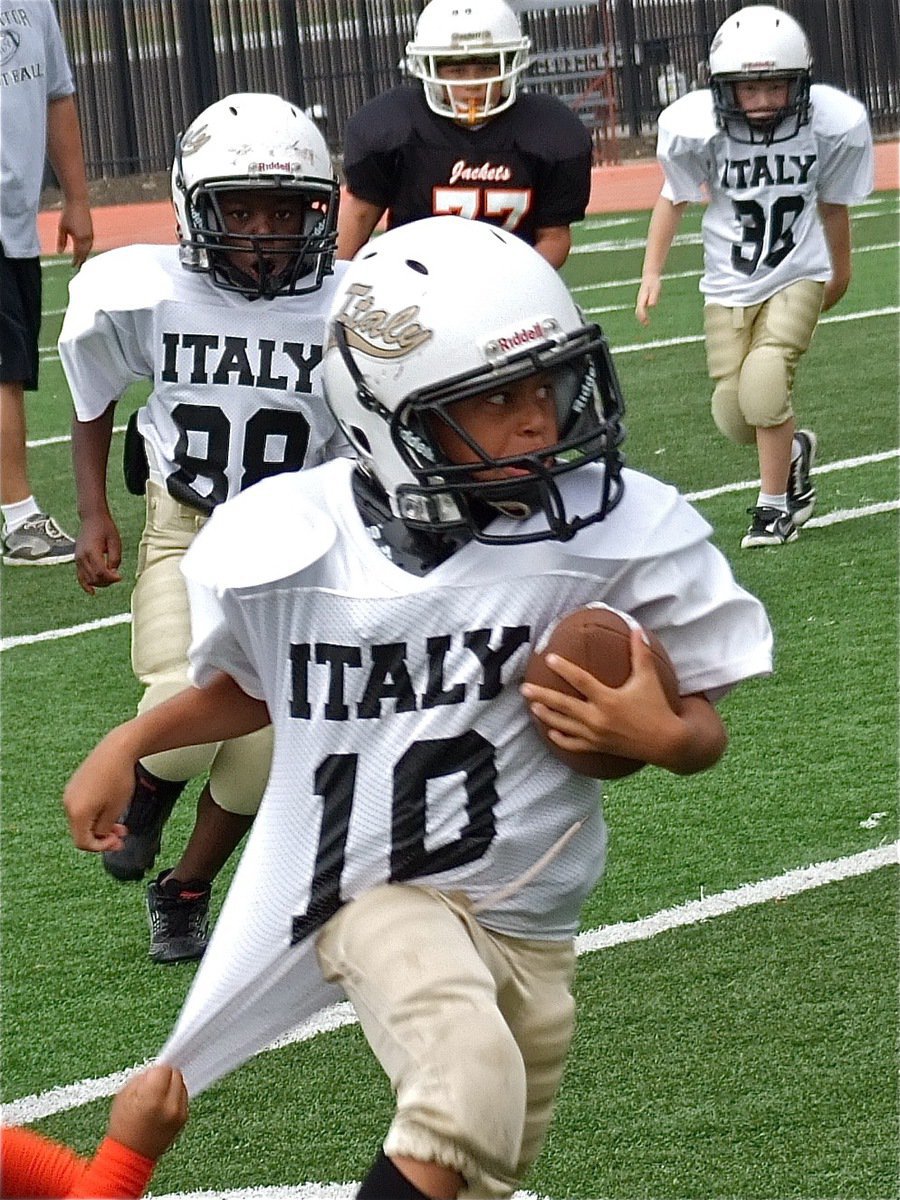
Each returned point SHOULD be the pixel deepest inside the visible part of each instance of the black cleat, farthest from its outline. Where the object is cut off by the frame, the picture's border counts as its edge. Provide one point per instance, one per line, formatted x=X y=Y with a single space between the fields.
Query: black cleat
x=179 y=918
x=151 y=803
x=769 y=527
x=801 y=495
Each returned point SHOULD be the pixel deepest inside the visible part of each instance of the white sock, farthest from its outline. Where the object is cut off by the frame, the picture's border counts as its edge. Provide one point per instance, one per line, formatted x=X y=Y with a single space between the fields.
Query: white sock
x=17 y=514
x=767 y=501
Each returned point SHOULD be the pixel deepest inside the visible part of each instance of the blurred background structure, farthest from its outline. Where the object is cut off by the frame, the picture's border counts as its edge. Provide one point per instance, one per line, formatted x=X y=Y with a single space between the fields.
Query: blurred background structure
x=144 y=68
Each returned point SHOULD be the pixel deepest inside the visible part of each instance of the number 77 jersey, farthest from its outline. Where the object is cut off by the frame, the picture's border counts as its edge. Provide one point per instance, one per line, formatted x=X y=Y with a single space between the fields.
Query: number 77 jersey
x=236 y=383
x=761 y=228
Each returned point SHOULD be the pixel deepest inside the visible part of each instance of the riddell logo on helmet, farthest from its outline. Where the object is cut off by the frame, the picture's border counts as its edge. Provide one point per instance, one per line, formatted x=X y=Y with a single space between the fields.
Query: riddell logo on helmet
x=534 y=333
x=287 y=168
x=765 y=65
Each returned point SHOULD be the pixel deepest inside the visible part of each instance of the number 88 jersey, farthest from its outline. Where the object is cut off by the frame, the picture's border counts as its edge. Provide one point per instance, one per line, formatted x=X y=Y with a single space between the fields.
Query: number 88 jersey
x=761 y=228
x=236 y=384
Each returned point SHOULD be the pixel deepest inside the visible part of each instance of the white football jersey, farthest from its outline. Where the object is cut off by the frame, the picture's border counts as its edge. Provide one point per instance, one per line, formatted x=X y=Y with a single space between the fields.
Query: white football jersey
x=403 y=747
x=761 y=228
x=237 y=392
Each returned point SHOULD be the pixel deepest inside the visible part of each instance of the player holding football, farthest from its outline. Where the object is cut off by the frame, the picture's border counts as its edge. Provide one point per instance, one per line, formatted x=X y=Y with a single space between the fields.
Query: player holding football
x=780 y=161
x=466 y=142
x=230 y=328
x=419 y=845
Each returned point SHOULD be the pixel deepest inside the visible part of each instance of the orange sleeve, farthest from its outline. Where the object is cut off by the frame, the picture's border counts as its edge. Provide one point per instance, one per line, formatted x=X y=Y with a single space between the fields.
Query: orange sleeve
x=115 y=1173
x=33 y=1165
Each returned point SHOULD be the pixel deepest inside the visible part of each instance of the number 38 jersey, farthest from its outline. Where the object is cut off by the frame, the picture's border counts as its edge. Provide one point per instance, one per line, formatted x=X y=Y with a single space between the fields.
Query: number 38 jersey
x=236 y=390
x=761 y=228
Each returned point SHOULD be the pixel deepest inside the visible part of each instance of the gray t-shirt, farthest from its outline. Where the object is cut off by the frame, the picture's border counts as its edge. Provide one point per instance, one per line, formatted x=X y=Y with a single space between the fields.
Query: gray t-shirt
x=34 y=69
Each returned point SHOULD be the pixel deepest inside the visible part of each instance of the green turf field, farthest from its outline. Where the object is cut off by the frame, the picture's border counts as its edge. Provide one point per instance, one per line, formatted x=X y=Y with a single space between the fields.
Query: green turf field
x=748 y=1054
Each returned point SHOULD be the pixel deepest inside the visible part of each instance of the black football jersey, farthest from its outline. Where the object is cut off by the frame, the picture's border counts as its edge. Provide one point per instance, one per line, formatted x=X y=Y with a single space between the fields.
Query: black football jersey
x=526 y=169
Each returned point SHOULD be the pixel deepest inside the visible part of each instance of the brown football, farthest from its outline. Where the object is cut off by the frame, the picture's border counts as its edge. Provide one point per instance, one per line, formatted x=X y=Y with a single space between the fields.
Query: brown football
x=598 y=639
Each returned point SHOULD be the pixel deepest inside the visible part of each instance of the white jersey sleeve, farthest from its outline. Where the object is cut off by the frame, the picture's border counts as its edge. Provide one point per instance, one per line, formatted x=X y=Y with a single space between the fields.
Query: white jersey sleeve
x=105 y=343
x=403 y=748
x=841 y=124
x=685 y=131
x=761 y=227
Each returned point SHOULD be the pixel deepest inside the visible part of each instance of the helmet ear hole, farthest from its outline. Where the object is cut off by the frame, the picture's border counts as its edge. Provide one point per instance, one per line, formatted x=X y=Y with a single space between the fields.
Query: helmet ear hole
x=359 y=438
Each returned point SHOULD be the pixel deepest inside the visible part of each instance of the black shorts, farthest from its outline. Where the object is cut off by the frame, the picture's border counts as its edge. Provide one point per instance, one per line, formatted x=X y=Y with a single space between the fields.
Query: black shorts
x=20 y=319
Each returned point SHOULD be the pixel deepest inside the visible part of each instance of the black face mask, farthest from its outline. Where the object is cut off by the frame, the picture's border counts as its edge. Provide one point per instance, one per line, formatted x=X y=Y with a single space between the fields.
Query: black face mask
x=415 y=550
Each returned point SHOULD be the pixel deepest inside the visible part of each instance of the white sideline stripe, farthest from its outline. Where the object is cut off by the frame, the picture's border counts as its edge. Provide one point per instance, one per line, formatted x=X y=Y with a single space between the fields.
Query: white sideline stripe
x=614 y=283
x=51 y=356
x=696 y=239
x=844 y=514
x=851 y=514
x=690 y=339
x=791 y=883
x=842 y=464
x=63 y=437
x=659 y=343
x=55 y=635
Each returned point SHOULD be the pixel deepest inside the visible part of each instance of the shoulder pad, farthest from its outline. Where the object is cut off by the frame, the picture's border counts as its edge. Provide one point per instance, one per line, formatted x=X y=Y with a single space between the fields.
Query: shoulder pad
x=265 y=534
x=130 y=277
x=835 y=114
x=691 y=117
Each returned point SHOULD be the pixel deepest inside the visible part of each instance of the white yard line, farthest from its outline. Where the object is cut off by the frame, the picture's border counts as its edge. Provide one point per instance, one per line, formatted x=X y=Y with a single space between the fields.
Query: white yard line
x=48 y=353
x=833 y=518
x=692 y=912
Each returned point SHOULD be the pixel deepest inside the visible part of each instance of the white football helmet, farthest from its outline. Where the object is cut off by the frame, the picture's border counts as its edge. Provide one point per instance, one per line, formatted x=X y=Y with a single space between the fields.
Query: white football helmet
x=246 y=141
x=760 y=43
x=442 y=309
x=461 y=31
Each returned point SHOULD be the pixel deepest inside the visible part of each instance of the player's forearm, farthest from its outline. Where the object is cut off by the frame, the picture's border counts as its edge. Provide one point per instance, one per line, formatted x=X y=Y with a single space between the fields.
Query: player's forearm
x=700 y=741
x=90 y=457
x=64 y=149
x=836 y=226
x=216 y=713
x=664 y=222
x=356 y=222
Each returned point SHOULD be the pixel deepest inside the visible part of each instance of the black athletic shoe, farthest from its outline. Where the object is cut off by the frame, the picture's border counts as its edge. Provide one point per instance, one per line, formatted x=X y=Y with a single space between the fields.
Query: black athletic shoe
x=179 y=918
x=801 y=495
x=769 y=527
x=151 y=803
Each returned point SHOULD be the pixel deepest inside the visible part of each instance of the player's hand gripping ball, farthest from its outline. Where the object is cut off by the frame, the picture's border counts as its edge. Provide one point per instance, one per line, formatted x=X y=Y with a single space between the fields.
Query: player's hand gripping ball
x=597 y=639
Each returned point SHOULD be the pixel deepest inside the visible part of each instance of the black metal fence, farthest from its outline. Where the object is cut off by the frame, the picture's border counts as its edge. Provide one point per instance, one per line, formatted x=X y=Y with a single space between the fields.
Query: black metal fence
x=144 y=68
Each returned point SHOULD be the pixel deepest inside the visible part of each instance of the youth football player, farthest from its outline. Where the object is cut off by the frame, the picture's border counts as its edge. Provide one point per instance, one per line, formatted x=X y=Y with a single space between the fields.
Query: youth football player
x=780 y=161
x=467 y=141
x=230 y=328
x=419 y=847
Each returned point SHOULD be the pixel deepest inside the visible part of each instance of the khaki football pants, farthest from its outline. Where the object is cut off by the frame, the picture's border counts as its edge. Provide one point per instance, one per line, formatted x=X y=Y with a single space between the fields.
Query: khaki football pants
x=160 y=635
x=751 y=354
x=471 y=1027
